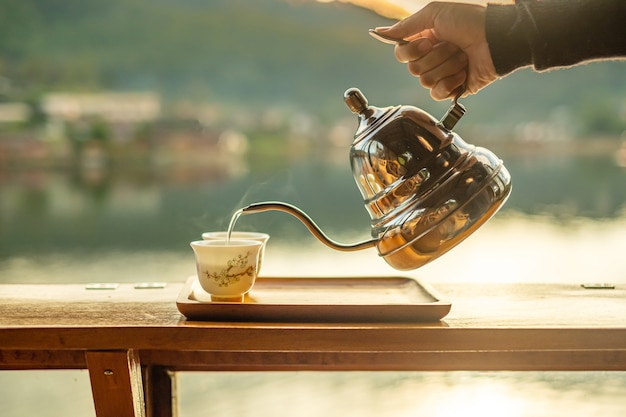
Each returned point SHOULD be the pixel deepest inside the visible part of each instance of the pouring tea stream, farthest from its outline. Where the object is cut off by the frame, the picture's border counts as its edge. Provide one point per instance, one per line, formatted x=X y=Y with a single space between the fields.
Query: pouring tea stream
x=425 y=188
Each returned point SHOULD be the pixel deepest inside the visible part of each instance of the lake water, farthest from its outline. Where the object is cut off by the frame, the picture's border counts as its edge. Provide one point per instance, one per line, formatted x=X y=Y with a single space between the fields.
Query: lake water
x=565 y=222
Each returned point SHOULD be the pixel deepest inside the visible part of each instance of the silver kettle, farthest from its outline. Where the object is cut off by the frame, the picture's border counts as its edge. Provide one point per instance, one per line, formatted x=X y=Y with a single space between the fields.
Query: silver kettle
x=425 y=189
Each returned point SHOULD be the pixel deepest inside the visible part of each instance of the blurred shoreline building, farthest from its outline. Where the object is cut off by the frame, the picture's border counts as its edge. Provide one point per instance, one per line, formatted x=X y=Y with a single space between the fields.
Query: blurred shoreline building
x=123 y=112
x=14 y=112
x=111 y=106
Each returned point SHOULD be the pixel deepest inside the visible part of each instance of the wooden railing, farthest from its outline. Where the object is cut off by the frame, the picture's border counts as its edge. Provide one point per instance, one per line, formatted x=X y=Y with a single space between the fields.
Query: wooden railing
x=133 y=341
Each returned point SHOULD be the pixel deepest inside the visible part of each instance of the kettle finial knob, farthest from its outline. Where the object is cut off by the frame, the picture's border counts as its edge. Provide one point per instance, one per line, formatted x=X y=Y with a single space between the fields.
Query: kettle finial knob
x=355 y=100
x=455 y=112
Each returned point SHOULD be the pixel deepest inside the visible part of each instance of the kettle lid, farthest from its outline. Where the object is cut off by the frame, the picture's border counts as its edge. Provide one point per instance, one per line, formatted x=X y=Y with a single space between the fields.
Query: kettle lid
x=369 y=116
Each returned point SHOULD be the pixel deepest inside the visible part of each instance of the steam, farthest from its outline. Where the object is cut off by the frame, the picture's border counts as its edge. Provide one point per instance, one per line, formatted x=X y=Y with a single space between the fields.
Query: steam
x=280 y=186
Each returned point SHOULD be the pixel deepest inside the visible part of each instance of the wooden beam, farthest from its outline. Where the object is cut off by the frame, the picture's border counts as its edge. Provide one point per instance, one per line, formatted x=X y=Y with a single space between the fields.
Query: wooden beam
x=116 y=383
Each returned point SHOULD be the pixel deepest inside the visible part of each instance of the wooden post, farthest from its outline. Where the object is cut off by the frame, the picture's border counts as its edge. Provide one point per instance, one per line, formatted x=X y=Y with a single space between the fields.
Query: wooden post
x=116 y=383
x=160 y=392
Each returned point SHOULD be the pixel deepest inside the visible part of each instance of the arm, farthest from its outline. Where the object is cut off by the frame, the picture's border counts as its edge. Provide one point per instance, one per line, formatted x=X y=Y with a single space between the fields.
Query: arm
x=499 y=39
x=555 y=33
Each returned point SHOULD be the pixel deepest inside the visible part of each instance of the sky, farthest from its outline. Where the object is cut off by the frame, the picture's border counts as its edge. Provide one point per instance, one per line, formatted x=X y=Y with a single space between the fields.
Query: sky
x=398 y=9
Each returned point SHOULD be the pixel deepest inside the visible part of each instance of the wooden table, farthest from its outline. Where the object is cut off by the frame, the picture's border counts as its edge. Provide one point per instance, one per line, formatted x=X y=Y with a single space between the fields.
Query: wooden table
x=132 y=341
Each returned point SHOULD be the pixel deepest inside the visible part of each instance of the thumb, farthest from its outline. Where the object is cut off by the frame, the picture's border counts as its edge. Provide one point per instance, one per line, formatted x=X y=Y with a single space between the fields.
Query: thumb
x=414 y=24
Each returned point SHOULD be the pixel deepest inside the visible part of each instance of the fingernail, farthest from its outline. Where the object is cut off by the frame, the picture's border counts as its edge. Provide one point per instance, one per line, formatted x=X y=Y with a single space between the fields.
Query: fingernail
x=382 y=28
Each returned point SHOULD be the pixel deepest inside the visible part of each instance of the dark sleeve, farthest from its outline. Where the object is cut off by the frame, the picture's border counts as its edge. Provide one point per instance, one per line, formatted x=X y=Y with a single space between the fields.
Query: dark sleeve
x=554 y=33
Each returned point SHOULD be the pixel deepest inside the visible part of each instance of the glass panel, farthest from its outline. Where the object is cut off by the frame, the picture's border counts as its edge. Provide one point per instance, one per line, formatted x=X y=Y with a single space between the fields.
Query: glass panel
x=46 y=394
x=396 y=394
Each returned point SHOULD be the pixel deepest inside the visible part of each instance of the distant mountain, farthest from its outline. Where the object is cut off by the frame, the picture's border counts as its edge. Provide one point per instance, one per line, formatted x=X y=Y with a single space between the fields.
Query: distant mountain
x=256 y=53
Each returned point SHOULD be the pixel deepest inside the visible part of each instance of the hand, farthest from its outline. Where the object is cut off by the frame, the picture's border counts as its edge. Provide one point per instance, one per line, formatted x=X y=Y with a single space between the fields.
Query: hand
x=447 y=48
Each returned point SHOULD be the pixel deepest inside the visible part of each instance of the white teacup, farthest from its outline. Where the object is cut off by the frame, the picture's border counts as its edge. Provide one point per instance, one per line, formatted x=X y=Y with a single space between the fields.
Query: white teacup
x=227 y=270
x=261 y=237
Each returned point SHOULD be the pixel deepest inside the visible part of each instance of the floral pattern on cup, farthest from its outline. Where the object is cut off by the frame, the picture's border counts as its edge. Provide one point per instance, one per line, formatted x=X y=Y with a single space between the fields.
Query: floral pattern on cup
x=225 y=277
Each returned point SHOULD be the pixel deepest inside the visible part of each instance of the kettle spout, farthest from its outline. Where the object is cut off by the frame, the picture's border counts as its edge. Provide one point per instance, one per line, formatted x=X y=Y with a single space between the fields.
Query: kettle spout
x=309 y=223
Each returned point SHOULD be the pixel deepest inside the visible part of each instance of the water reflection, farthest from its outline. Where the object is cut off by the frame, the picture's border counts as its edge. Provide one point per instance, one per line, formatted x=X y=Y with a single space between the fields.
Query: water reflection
x=363 y=394
x=75 y=224
x=472 y=394
x=565 y=186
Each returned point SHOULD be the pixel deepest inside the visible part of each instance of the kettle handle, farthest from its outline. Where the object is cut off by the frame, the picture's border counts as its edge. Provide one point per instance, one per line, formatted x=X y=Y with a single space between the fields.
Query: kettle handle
x=455 y=112
x=309 y=223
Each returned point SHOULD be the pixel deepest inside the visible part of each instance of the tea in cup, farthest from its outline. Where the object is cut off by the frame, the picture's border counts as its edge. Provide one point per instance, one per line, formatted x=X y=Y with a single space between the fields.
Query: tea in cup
x=227 y=270
x=261 y=237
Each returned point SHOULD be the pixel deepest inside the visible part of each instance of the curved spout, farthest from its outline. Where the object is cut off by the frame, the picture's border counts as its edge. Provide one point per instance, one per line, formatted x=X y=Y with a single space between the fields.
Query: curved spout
x=308 y=222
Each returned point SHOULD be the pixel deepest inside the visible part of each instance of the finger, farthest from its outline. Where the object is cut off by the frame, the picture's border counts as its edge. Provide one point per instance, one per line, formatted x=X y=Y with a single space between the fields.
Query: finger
x=413 y=50
x=444 y=55
x=414 y=24
x=448 y=87
x=434 y=74
x=428 y=34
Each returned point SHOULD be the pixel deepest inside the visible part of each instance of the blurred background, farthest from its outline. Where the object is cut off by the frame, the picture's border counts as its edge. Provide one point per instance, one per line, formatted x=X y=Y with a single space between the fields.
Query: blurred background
x=128 y=127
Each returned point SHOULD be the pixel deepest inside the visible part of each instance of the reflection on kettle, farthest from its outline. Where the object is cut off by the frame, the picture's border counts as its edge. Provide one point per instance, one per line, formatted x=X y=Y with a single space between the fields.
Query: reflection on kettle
x=424 y=188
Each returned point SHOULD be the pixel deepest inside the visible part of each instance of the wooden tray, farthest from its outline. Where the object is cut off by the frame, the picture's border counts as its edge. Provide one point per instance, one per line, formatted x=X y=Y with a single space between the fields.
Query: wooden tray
x=358 y=299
